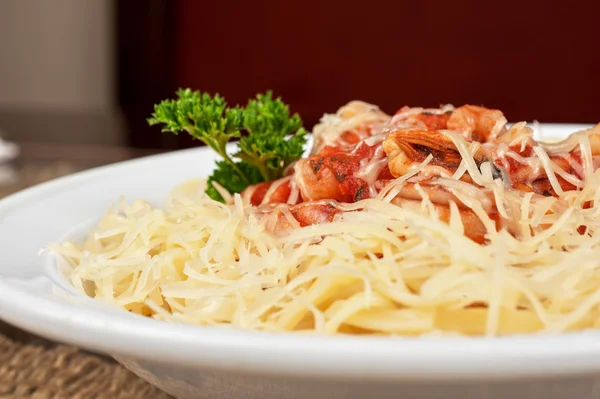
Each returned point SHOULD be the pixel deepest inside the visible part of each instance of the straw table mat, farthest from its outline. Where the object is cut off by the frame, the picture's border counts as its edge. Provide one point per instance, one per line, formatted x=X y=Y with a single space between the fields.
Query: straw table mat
x=32 y=367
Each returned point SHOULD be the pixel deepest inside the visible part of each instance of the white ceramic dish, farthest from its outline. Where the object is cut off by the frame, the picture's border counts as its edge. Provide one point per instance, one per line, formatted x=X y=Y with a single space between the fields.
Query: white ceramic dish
x=196 y=362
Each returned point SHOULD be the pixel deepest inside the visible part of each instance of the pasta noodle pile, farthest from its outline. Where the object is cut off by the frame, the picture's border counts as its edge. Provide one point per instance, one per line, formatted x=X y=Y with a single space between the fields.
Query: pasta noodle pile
x=377 y=268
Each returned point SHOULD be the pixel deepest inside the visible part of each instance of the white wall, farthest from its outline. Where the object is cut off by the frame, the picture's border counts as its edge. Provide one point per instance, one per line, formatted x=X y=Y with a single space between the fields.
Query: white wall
x=56 y=58
x=56 y=54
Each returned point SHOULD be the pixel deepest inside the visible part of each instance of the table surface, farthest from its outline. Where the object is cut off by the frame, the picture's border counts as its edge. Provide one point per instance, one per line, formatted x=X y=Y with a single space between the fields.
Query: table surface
x=30 y=366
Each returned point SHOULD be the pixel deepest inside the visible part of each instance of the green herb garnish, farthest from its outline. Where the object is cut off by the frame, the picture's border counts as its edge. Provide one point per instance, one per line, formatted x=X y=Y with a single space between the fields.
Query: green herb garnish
x=270 y=139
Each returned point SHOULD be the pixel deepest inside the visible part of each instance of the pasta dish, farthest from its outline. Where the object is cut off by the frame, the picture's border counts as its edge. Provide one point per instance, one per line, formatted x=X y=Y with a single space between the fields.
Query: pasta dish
x=426 y=222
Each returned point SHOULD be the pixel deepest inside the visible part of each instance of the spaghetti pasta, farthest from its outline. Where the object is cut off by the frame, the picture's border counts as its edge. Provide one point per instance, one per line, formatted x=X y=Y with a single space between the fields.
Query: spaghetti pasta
x=382 y=264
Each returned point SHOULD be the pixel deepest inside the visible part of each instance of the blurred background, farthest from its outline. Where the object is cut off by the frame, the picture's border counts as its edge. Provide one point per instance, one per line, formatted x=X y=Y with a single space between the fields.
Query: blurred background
x=87 y=72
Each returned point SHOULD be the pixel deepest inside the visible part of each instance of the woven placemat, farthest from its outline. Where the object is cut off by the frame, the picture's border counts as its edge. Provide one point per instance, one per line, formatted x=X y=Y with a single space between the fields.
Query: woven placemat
x=38 y=369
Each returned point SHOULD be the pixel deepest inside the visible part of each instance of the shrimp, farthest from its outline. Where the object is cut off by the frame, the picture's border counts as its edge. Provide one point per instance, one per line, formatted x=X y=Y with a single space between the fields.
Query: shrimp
x=274 y=192
x=335 y=173
x=473 y=122
x=477 y=123
x=352 y=123
x=473 y=226
x=442 y=195
x=281 y=218
x=429 y=119
x=519 y=137
x=408 y=148
x=514 y=151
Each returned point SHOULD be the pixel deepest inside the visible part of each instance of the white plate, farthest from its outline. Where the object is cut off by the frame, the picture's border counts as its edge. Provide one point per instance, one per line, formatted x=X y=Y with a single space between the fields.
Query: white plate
x=191 y=361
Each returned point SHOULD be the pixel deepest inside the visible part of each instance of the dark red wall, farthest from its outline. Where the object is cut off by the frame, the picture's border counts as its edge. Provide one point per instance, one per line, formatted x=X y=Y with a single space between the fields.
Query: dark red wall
x=530 y=59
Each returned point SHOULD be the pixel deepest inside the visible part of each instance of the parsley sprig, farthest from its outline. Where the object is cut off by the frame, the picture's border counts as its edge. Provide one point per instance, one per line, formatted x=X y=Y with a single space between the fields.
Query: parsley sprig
x=269 y=138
